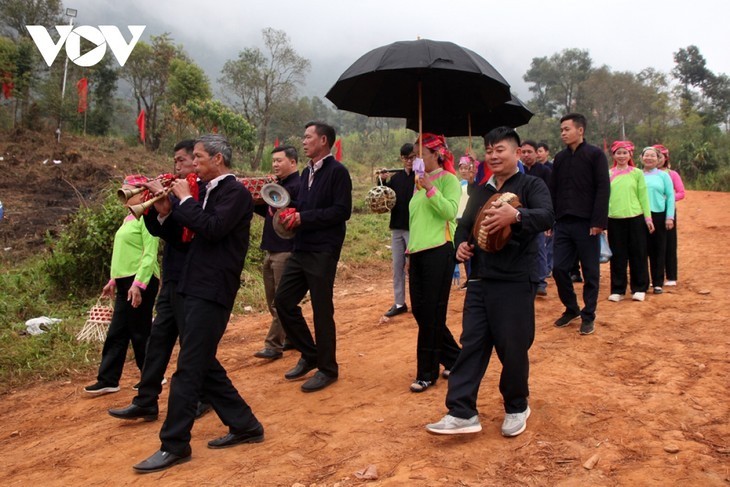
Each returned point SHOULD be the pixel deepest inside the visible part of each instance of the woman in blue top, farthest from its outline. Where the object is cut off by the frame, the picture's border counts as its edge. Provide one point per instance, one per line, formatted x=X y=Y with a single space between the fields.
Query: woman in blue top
x=661 y=200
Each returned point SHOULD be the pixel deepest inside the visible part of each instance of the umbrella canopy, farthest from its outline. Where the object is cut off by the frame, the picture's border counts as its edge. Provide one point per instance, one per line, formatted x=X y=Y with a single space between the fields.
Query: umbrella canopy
x=385 y=82
x=479 y=121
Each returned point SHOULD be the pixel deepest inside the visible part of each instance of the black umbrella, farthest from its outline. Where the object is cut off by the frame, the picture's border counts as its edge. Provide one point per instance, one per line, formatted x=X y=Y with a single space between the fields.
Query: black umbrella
x=400 y=79
x=479 y=120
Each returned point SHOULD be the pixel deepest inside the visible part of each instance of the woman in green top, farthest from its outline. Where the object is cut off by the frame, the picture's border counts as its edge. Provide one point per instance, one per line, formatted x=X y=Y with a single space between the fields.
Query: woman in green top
x=430 y=250
x=135 y=276
x=629 y=216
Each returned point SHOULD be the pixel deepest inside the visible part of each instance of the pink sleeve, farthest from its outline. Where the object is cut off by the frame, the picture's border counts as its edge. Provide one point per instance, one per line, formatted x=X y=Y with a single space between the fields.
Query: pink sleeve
x=678 y=185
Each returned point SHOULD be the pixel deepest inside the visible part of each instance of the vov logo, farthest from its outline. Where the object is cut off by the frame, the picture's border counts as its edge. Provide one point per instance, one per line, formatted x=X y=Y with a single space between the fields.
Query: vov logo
x=101 y=37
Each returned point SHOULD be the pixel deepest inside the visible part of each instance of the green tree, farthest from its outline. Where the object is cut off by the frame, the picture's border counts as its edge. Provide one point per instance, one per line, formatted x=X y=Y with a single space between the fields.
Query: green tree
x=258 y=81
x=187 y=82
x=616 y=102
x=16 y=14
x=212 y=115
x=102 y=86
x=690 y=70
x=148 y=71
x=557 y=80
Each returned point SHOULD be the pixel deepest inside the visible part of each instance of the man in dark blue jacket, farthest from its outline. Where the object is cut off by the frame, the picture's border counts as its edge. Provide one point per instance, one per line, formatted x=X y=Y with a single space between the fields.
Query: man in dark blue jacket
x=323 y=206
x=209 y=282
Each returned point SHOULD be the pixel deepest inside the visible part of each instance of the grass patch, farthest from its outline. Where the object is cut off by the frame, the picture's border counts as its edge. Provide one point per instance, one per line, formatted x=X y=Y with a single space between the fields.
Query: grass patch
x=26 y=291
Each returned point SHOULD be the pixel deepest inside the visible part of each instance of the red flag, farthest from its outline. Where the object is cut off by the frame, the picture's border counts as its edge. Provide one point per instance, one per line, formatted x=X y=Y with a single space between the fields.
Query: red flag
x=140 y=125
x=338 y=149
x=8 y=85
x=83 y=88
x=276 y=142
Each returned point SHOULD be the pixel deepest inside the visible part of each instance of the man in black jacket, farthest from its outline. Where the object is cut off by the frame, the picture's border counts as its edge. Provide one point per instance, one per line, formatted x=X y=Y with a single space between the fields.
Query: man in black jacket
x=209 y=282
x=169 y=310
x=276 y=249
x=534 y=168
x=402 y=183
x=580 y=189
x=499 y=308
x=323 y=206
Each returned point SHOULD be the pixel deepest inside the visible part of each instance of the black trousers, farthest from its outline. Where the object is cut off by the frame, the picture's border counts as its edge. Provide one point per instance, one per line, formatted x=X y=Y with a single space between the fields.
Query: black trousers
x=128 y=324
x=627 y=239
x=198 y=371
x=671 y=263
x=429 y=280
x=572 y=239
x=314 y=272
x=498 y=315
x=170 y=311
x=657 y=248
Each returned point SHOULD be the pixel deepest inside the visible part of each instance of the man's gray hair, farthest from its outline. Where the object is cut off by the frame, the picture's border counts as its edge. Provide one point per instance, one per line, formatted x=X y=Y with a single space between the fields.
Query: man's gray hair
x=216 y=144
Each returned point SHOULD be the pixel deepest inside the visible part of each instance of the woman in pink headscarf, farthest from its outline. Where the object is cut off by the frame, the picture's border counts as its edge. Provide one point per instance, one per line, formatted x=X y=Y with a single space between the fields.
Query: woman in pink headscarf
x=432 y=223
x=629 y=215
x=671 y=262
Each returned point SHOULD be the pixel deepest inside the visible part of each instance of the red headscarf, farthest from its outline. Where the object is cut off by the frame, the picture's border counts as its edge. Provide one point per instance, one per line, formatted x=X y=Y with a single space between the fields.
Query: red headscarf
x=623 y=144
x=135 y=179
x=437 y=143
x=664 y=151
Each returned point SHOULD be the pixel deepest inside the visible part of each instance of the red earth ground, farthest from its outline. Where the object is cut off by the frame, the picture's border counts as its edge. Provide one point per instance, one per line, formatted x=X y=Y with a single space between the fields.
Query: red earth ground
x=646 y=395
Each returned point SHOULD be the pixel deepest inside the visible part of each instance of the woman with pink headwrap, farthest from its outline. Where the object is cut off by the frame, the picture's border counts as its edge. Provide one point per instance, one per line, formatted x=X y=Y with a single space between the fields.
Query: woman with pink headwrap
x=629 y=216
x=430 y=253
x=671 y=263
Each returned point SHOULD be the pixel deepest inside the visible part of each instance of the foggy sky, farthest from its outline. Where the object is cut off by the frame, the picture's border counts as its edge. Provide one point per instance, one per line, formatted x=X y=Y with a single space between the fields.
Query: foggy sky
x=625 y=35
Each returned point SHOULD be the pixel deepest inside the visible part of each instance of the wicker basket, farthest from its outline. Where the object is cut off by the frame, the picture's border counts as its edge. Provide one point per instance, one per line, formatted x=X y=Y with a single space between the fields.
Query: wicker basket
x=100 y=316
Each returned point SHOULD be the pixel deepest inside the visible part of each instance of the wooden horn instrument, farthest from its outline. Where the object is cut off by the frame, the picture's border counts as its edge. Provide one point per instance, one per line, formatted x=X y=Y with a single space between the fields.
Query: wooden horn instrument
x=139 y=209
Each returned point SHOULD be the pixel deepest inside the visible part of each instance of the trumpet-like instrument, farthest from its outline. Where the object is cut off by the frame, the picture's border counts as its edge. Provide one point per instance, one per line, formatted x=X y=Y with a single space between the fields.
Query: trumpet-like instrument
x=139 y=209
x=125 y=194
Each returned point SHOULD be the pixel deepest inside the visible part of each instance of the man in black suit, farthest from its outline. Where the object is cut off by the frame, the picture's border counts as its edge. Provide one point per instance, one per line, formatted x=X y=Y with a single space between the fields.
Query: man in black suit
x=169 y=309
x=323 y=206
x=580 y=189
x=276 y=249
x=209 y=282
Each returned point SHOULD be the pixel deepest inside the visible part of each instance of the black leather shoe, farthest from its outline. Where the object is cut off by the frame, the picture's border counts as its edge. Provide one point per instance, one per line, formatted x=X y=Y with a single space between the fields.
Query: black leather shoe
x=268 y=354
x=135 y=412
x=319 y=380
x=232 y=439
x=202 y=409
x=160 y=461
x=395 y=310
x=300 y=370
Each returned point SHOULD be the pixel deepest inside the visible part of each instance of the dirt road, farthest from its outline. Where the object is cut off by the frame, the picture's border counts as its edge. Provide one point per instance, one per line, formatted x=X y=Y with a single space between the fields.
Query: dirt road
x=647 y=394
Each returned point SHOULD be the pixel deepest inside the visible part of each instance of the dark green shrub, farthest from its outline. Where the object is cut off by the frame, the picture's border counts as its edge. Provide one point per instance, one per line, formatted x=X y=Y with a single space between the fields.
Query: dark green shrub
x=80 y=258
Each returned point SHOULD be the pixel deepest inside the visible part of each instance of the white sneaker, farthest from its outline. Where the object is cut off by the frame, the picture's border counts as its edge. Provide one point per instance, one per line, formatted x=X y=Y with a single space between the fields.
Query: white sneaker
x=615 y=298
x=515 y=423
x=638 y=296
x=670 y=283
x=451 y=425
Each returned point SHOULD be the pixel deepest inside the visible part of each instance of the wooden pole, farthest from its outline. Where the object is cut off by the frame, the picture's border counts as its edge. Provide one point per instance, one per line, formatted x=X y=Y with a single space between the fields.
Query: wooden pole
x=420 y=120
x=468 y=119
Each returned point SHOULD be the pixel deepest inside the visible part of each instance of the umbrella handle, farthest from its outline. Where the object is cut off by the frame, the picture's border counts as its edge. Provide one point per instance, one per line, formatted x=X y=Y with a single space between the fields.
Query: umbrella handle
x=420 y=119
